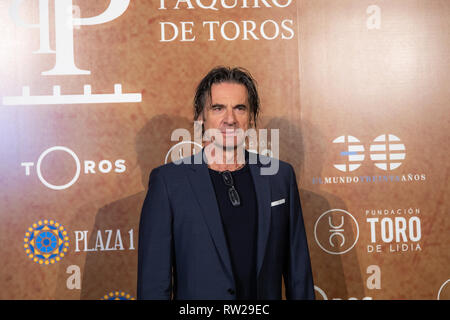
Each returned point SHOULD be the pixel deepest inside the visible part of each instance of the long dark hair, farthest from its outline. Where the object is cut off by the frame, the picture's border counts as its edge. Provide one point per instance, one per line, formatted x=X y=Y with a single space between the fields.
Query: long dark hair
x=226 y=74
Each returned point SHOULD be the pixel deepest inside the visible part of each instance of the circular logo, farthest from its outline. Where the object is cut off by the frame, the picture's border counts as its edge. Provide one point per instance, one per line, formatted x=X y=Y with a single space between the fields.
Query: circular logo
x=181 y=150
x=387 y=152
x=46 y=242
x=334 y=231
x=353 y=154
x=71 y=182
x=321 y=293
x=444 y=291
x=117 y=295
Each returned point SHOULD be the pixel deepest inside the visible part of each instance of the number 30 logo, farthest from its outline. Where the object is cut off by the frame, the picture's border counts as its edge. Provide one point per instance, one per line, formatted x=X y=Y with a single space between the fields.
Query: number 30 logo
x=386 y=151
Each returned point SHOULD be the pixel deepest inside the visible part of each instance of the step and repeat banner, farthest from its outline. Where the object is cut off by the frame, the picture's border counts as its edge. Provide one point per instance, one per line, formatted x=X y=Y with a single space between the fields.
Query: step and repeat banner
x=91 y=92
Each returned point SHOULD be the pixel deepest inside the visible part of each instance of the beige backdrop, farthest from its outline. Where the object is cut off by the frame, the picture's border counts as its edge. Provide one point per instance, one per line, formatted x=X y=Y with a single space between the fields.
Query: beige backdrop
x=335 y=77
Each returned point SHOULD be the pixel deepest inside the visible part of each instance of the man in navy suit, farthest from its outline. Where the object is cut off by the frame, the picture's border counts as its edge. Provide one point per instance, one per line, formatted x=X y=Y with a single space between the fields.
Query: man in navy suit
x=220 y=224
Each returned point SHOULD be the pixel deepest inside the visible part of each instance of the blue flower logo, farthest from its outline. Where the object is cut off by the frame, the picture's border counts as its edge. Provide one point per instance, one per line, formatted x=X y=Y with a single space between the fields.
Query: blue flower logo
x=117 y=295
x=46 y=242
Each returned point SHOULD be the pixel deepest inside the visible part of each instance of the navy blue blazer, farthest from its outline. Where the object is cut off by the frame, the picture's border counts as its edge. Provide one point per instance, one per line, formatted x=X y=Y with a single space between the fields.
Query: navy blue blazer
x=182 y=246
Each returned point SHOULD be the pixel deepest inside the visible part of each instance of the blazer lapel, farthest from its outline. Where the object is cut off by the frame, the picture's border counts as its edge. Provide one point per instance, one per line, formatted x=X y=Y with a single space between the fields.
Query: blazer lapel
x=206 y=198
x=262 y=187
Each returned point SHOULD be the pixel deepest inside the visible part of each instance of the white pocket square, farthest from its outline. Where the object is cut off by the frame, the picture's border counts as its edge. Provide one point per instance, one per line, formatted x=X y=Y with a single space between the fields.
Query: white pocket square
x=276 y=203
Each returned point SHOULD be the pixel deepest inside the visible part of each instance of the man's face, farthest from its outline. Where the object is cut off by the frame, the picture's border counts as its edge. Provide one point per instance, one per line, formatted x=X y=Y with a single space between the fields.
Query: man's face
x=228 y=111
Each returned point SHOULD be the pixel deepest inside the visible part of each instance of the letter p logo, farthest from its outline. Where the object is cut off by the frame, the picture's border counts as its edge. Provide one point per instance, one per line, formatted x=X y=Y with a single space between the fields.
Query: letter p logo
x=64 y=25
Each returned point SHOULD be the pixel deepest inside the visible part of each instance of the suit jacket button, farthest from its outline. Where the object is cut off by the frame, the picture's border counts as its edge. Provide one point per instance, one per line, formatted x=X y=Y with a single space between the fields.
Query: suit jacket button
x=231 y=291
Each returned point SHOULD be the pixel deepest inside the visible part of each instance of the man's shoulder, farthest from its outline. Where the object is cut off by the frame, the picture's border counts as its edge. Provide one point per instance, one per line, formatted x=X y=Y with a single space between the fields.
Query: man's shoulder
x=274 y=166
x=267 y=160
x=171 y=168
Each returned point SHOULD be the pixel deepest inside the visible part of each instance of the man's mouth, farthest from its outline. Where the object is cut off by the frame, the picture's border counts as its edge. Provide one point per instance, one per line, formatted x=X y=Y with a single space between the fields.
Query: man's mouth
x=229 y=131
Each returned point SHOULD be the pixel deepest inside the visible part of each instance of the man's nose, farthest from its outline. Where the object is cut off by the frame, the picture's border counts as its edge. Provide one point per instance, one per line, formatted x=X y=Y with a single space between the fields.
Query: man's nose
x=230 y=118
